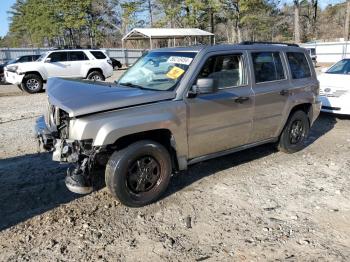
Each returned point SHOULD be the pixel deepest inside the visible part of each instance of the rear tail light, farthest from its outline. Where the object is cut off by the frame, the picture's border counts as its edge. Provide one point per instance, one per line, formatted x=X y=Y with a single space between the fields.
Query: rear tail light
x=109 y=62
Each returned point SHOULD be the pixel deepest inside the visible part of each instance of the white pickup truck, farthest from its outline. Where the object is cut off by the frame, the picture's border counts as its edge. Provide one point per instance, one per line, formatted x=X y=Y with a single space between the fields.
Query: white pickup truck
x=78 y=63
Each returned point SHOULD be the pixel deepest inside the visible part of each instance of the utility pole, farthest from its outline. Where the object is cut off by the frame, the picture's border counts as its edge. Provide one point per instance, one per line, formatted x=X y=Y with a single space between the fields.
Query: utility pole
x=212 y=29
x=347 y=21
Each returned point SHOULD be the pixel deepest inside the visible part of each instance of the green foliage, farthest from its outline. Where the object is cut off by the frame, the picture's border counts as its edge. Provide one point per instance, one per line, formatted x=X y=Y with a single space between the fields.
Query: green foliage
x=103 y=22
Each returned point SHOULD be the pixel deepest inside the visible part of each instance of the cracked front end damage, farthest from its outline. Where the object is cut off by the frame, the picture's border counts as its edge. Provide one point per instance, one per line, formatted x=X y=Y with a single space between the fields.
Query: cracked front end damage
x=52 y=135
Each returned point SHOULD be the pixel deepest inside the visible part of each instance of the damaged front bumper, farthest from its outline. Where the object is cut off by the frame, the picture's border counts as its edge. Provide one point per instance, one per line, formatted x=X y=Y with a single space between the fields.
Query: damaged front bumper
x=64 y=150
x=81 y=153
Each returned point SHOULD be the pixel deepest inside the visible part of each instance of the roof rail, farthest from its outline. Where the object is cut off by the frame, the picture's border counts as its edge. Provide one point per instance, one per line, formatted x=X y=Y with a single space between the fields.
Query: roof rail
x=267 y=43
x=66 y=47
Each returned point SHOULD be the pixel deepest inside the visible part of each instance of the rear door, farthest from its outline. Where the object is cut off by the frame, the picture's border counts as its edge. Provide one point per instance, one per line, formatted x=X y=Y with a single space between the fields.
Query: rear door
x=271 y=87
x=221 y=120
x=77 y=60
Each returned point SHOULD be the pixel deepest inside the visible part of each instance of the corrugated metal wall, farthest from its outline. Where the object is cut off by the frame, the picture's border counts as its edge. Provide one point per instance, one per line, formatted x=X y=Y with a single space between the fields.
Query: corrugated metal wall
x=125 y=56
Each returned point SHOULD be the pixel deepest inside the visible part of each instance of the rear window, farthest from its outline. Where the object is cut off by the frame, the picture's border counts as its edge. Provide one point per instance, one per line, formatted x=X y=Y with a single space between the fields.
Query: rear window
x=298 y=64
x=98 y=54
x=267 y=67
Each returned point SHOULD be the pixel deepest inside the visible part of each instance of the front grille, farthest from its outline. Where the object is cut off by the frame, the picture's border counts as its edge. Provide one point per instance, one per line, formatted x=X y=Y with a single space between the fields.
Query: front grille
x=331 y=93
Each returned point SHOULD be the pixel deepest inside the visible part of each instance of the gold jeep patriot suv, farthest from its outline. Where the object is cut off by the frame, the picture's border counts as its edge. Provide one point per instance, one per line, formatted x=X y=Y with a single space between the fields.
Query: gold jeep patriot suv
x=175 y=107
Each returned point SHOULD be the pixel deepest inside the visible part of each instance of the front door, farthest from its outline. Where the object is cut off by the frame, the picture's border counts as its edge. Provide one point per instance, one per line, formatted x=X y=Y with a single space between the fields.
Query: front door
x=221 y=120
x=59 y=66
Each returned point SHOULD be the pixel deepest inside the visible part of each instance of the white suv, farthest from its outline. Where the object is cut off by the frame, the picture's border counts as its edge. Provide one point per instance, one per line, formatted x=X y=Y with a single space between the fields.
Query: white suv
x=78 y=63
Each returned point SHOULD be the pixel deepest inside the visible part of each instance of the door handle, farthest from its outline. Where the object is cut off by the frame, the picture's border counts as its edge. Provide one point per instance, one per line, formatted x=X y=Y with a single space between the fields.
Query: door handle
x=241 y=99
x=284 y=92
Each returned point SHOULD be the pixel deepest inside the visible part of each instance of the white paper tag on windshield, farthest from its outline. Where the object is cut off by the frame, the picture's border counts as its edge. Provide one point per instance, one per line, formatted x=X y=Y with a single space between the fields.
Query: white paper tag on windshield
x=180 y=60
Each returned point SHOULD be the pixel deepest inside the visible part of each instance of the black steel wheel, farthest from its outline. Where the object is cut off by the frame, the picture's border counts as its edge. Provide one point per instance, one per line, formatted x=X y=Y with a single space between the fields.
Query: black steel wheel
x=294 y=133
x=143 y=174
x=139 y=174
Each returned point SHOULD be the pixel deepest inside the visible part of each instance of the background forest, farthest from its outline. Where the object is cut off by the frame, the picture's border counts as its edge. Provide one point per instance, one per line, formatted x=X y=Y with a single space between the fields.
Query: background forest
x=49 y=23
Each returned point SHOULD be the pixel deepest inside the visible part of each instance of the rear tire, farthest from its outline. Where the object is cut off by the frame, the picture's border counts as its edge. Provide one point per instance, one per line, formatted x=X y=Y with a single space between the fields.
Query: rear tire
x=139 y=174
x=32 y=83
x=294 y=133
x=96 y=76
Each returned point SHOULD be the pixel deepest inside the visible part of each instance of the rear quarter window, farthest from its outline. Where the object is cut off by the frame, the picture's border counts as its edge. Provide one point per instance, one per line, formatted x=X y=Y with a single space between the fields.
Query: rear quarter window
x=299 y=65
x=98 y=54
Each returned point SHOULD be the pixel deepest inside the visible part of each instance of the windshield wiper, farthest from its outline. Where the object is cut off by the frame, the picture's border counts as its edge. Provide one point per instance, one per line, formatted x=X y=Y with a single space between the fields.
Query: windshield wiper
x=129 y=84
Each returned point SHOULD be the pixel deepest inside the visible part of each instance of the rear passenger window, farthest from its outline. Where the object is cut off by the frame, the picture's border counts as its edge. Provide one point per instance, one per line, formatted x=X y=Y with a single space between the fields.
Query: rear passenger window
x=77 y=56
x=298 y=64
x=267 y=67
x=98 y=54
x=226 y=70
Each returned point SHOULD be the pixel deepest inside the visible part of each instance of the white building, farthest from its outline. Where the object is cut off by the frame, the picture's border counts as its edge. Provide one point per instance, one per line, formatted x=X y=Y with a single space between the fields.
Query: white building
x=330 y=52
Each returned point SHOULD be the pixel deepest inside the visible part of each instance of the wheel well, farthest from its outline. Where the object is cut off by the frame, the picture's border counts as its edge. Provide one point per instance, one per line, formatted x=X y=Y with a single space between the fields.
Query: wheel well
x=33 y=73
x=162 y=136
x=94 y=69
x=303 y=107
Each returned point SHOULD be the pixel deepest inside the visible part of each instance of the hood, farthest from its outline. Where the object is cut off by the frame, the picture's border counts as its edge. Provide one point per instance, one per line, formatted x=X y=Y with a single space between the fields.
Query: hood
x=338 y=81
x=78 y=97
x=23 y=67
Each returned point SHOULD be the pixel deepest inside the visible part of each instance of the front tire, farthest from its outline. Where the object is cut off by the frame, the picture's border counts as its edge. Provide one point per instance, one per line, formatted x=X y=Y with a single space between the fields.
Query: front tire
x=32 y=84
x=294 y=133
x=139 y=174
x=2 y=79
x=96 y=76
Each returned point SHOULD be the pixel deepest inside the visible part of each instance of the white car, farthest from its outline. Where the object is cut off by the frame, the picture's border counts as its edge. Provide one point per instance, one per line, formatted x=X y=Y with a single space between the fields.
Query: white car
x=335 y=88
x=70 y=63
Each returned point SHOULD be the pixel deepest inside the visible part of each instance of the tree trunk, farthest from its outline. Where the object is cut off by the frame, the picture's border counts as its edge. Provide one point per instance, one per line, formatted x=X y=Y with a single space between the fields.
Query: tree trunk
x=296 y=22
x=347 y=20
x=150 y=12
x=314 y=18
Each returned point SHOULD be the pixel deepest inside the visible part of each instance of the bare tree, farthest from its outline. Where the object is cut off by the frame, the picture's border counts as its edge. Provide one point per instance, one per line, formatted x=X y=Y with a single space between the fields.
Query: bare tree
x=347 y=21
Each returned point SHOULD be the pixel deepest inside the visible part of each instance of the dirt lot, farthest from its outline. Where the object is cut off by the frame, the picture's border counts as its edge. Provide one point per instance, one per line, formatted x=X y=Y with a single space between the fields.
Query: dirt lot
x=258 y=204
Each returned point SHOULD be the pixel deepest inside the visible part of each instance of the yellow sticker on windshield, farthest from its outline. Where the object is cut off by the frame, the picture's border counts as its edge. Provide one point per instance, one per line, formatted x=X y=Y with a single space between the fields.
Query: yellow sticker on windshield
x=175 y=72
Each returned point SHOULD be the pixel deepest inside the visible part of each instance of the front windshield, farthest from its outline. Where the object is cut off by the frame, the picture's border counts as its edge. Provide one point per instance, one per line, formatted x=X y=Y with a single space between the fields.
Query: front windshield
x=160 y=71
x=13 y=61
x=42 y=56
x=342 y=67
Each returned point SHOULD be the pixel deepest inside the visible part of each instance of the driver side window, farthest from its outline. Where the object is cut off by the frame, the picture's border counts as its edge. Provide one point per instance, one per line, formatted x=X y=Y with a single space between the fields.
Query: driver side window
x=58 y=57
x=226 y=70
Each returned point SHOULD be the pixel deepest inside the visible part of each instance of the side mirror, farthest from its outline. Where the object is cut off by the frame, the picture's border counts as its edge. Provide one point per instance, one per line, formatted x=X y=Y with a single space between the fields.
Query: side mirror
x=324 y=70
x=205 y=86
x=48 y=60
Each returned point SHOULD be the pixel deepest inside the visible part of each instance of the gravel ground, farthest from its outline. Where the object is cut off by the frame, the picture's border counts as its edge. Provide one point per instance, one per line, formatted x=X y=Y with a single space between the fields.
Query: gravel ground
x=258 y=204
